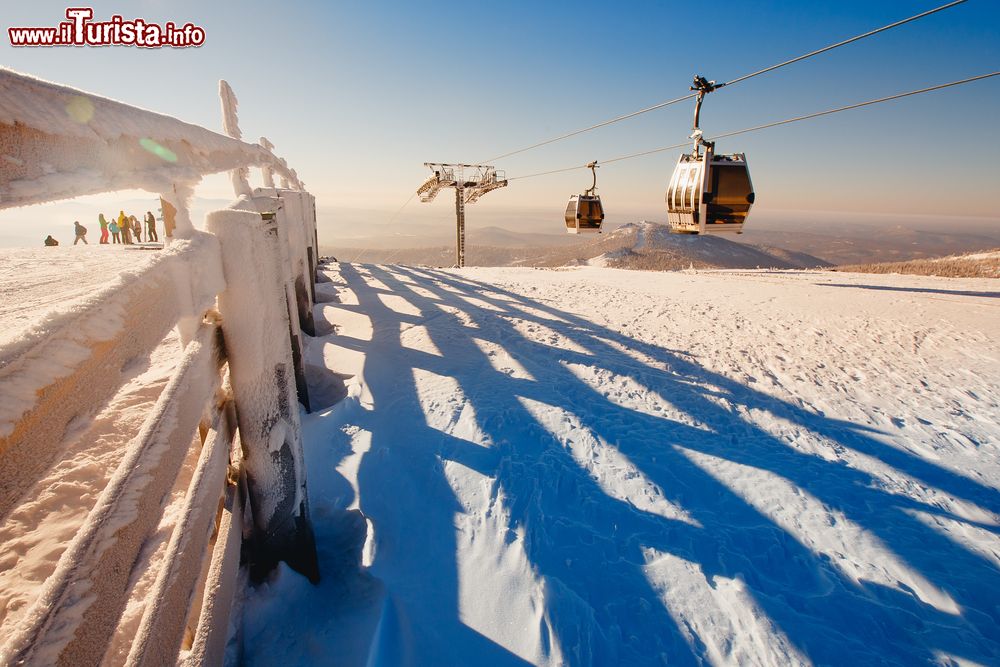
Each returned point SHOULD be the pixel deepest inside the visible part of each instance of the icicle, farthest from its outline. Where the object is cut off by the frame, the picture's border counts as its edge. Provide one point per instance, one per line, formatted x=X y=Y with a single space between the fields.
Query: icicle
x=267 y=170
x=284 y=173
x=231 y=126
x=230 y=121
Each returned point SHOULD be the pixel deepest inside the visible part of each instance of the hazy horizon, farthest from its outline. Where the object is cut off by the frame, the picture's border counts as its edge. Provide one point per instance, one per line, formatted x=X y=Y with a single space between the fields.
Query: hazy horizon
x=359 y=100
x=426 y=225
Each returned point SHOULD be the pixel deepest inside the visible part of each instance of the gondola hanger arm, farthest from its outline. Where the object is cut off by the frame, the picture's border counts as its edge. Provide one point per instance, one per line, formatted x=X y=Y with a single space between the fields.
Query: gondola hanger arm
x=593 y=171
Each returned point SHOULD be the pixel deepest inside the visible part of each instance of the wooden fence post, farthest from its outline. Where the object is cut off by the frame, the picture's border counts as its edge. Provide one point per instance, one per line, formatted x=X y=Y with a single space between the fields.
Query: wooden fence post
x=298 y=207
x=272 y=206
x=255 y=325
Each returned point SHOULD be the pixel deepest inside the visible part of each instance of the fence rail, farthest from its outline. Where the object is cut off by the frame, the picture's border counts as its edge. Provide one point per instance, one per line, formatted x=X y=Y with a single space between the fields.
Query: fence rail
x=241 y=297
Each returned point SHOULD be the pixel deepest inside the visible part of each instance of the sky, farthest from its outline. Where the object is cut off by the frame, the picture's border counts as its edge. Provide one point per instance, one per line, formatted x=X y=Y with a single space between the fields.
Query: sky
x=358 y=95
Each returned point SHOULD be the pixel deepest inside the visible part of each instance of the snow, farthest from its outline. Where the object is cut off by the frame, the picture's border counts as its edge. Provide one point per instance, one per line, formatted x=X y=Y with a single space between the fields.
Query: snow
x=972 y=257
x=589 y=466
x=44 y=283
x=86 y=593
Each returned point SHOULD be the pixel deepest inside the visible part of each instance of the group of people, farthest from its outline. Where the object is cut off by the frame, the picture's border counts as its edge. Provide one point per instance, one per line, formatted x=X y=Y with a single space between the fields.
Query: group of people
x=127 y=229
x=124 y=229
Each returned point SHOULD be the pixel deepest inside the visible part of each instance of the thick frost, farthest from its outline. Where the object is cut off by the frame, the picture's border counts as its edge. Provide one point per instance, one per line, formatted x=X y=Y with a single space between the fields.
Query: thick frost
x=231 y=126
x=60 y=142
x=56 y=344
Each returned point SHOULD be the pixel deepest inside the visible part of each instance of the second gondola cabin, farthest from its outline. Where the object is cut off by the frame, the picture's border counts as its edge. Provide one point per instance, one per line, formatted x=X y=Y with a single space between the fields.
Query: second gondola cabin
x=584 y=212
x=709 y=193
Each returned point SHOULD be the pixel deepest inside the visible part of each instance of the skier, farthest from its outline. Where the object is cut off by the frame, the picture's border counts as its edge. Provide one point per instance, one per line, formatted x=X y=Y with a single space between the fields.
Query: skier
x=151 y=227
x=115 y=232
x=49 y=241
x=81 y=233
x=103 y=222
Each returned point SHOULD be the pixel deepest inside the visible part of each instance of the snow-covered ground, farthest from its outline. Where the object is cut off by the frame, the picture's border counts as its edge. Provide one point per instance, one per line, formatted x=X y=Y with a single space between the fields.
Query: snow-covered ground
x=600 y=467
x=37 y=282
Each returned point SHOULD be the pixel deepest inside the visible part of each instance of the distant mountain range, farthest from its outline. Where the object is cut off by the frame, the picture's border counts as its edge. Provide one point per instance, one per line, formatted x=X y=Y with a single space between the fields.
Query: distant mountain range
x=642 y=245
x=968 y=265
x=859 y=243
x=501 y=236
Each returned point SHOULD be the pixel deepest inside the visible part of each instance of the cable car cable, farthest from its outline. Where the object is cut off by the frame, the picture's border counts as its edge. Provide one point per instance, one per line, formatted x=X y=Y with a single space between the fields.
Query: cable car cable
x=598 y=125
x=768 y=125
x=843 y=43
x=729 y=83
x=858 y=105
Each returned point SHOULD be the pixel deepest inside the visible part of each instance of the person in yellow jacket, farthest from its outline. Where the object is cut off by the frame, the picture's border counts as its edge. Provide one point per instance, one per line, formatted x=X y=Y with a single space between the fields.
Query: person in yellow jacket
x=126 y=227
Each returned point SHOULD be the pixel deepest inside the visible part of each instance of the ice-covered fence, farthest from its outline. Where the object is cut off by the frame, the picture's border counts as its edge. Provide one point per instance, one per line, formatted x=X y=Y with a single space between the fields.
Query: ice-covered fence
x=234 y=394
x=263 y=241
x=255 y=267
x=71 y=366
x=57 y=142
x=68 y=363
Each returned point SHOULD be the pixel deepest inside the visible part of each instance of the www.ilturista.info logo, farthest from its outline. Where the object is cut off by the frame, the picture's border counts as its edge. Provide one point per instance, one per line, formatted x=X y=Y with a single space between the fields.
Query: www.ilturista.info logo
x=80 y=30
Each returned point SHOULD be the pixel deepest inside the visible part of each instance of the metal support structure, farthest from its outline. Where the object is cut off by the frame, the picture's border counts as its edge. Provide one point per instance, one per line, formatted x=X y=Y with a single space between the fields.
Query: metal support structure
x=468 y=189
x=460 y=226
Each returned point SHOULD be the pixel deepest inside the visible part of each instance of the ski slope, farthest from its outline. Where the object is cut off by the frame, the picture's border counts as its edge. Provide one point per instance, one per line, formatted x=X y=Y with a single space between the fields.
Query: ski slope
x=599 y=467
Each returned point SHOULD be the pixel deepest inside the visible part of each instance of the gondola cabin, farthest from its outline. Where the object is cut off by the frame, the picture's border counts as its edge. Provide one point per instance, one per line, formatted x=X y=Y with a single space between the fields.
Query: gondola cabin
x=709 y=193
x=584 y=214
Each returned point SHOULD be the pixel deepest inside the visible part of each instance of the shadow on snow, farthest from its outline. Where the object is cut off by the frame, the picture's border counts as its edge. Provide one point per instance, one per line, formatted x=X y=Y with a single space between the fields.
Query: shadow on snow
x=589 y=548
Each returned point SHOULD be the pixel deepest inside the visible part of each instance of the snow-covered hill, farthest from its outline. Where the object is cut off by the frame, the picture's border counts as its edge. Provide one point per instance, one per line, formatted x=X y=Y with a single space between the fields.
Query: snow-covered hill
x=970 y=265
x=598 y=467
x=650 y=246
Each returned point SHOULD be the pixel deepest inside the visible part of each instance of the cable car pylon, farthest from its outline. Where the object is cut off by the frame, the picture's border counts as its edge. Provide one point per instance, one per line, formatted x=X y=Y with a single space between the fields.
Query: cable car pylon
x=708 y=193
x=468 y=189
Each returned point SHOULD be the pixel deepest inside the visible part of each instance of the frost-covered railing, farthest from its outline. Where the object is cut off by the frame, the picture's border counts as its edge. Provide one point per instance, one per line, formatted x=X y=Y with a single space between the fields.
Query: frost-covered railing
x=59 y=142
x=249 y=280
x=240 y=295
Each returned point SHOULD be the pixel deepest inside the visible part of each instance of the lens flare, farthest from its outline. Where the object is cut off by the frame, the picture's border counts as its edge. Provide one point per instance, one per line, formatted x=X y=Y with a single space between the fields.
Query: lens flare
x=159 y=151
x=80 y=109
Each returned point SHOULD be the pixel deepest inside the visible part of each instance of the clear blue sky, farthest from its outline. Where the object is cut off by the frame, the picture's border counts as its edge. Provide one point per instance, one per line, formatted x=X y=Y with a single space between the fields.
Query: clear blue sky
x=357 y=95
